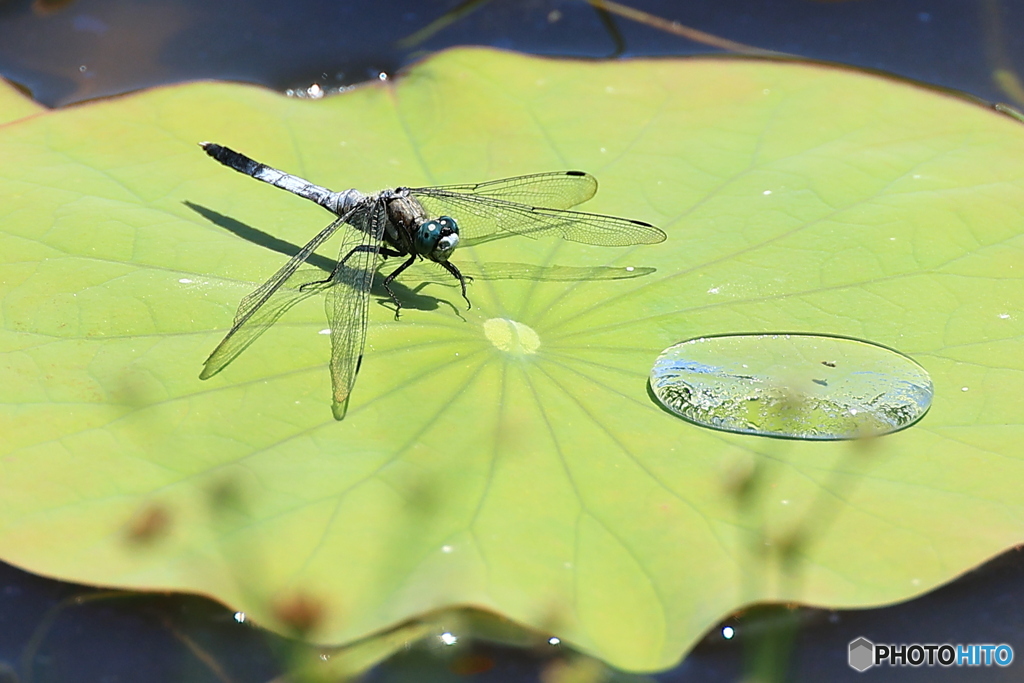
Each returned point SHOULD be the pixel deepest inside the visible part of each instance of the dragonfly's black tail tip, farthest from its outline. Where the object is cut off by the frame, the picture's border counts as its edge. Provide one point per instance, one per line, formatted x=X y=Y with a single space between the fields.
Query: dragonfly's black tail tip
x=231 y=158
x=214 y=150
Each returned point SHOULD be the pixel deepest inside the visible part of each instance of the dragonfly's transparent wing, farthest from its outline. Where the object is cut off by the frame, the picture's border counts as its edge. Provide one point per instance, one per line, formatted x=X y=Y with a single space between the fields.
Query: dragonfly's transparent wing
x=500 y=270
x=558 y=190
x=479 y=216
x=347 y=302
x=261 y=308
x=494 y=270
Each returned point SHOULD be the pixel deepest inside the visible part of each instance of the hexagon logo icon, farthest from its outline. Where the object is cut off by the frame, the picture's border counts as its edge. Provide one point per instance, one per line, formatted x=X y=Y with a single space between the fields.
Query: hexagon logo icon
x=862 y=654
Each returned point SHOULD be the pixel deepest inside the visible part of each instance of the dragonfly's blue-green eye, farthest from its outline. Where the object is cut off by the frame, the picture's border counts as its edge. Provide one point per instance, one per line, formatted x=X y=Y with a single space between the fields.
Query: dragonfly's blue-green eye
x=449 y=222
x=437 y=239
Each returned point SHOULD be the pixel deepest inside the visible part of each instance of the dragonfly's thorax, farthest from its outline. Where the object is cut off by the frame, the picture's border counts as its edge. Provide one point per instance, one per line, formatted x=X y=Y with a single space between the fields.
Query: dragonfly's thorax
x=405 y=214
x=409 y=231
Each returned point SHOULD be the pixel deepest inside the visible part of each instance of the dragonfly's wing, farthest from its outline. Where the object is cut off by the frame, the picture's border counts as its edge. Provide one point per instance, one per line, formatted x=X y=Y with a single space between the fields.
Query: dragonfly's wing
x=479 y=217
x=261 y=308
x=558 y=190
x=501 y=270
x=493 y=270
x=347 y=302
x=246 y=332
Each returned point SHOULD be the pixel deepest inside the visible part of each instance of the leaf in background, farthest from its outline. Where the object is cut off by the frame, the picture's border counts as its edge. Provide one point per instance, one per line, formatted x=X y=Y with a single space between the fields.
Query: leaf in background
x=540 y=481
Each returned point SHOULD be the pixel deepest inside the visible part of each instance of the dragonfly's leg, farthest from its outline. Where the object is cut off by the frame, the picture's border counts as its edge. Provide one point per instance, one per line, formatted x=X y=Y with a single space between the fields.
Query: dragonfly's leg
x=391 y=278
x=385 y=252
x=337 y=268
x=451 y=268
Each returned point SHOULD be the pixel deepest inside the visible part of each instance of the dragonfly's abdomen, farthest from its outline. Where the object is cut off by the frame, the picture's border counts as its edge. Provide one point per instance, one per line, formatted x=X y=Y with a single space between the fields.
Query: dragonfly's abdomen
x=338 y=202
x=342 y=202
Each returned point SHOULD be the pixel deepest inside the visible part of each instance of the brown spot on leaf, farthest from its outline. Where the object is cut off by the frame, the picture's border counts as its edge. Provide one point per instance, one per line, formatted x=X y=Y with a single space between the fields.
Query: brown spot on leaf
x=149 y=524
x=301 y=612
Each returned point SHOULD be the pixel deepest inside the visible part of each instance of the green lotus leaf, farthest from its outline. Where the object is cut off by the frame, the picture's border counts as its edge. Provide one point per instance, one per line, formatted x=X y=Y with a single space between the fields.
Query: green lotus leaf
x=509 y=457
x=14 y=104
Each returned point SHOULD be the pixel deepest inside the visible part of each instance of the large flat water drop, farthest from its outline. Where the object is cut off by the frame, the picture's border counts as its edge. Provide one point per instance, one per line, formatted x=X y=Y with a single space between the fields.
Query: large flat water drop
x=797 y=386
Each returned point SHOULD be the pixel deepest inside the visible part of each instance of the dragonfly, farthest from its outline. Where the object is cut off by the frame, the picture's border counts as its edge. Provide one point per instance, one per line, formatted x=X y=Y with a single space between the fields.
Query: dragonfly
x=411 y=223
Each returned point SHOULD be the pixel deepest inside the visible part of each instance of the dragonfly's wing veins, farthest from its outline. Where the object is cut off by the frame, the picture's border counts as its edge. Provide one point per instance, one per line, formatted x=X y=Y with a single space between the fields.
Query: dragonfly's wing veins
x=283 y=298
x=347 y=302
x=250 y=322
x=495 y=270
x=558 y=190
x=480 y=216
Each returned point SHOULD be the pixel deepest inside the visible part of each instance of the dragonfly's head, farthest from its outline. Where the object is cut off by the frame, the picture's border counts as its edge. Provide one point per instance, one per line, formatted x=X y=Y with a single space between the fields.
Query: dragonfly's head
x=437 y=239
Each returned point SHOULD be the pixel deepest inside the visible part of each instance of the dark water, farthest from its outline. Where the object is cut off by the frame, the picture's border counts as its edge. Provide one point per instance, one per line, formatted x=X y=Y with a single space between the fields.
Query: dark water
x=65 y=52
x=70 y=51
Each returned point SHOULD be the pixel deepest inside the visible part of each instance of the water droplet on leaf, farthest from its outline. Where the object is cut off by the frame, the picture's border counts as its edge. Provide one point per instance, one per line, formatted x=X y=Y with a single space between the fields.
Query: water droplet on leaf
x=778 y=385
x=511 y=336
